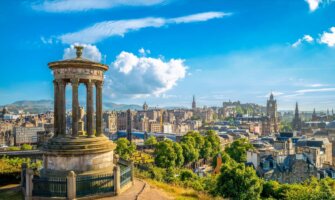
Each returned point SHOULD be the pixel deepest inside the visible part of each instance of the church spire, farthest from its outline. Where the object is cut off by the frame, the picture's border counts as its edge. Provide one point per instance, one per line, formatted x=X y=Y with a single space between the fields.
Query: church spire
x=194 y=105
x=296 y=109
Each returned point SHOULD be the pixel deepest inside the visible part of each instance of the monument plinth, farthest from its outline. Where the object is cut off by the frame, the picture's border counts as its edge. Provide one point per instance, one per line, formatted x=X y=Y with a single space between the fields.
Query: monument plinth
x=88 y=154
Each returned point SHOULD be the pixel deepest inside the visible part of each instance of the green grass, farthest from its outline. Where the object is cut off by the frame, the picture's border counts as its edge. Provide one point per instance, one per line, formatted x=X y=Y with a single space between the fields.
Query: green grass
x=181 y=193
x=11 y=195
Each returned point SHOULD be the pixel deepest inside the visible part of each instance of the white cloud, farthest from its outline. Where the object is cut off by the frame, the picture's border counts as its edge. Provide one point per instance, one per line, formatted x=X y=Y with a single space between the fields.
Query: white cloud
x=106 y=29
x=84 y=5
x=305 y=38
x=90 y=52
x=138 y=77
x=200 y=17
x=144 y=52
x=46 y=40
x=328 y=37
x=313 y=4
x=316 y=85
x=315 y=90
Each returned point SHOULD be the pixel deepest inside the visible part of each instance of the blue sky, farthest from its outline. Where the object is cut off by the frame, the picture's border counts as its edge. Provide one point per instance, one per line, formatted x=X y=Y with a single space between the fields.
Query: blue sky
x=164 y=51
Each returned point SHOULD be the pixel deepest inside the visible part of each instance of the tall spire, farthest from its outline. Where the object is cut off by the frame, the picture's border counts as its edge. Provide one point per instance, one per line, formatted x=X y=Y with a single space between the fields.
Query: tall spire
x=296 y=109
x=194 y=105
x=271 y=96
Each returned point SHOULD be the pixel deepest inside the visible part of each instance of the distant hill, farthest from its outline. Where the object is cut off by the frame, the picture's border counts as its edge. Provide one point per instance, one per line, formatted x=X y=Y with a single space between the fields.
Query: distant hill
x=42 y=106
x=118 y=107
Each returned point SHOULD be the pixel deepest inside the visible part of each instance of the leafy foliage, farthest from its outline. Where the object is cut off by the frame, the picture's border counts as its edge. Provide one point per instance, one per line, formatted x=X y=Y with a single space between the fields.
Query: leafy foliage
x=165 y=154
x=124 y=148
x=238 y=150
x=313 y=189
x=238 y=181
x=13 y=165
x=151 y=140
x=25 y=147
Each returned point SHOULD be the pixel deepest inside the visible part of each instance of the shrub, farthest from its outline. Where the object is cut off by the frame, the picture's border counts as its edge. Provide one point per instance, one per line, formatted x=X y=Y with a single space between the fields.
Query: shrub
x=26 y=147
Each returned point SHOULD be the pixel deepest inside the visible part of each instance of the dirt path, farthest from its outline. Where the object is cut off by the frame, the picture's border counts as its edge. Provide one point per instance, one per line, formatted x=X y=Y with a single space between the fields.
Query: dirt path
x=140 y=191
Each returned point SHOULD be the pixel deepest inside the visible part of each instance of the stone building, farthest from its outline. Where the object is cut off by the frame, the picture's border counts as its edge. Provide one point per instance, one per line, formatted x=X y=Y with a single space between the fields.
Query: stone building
x=287 y=168
x=324 y=154
x=296 y=122
x=270 y=122
x=110 y=119
x=145 y=106
x=26 y=135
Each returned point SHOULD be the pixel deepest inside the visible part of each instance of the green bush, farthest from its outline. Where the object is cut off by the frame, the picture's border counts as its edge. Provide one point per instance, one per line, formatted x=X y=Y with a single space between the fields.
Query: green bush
x=26 y=147
x=186 y=174
x=13 y=148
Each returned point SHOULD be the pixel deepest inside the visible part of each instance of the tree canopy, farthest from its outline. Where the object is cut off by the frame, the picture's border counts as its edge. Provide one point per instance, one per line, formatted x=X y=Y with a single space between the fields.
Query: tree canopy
x=238 y=181
x=151 y=140
x=165 y=154
x=238 y=150
x=125 y=148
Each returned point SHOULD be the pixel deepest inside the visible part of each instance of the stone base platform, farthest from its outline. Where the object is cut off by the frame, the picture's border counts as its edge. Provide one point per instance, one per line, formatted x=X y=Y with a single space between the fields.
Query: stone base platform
x=83 y=155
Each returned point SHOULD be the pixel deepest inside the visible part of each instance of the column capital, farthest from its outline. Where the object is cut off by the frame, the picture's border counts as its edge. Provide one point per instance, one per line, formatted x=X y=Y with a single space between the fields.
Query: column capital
x=89 y=82
x=74 y=81
x=60 y=82
x=99 y=84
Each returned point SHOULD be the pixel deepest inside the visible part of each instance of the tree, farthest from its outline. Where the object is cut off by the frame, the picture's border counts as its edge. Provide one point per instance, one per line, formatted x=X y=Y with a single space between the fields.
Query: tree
x=199 y=139
x=238 y=150
x=179 y=153
x=214 y=140
x=238 y=181
x=124 y=148
x=165 y=155
x=151 y=141
x=187 y=174
x=206 y=150
x=190 y=153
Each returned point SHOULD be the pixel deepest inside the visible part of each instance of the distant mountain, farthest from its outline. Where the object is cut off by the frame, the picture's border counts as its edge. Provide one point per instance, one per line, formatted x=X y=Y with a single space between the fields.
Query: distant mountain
x=118 y=107
x=42 y=106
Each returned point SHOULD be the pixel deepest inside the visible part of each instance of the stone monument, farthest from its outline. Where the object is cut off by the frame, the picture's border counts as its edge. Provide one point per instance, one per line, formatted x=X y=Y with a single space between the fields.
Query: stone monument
x=90 y=153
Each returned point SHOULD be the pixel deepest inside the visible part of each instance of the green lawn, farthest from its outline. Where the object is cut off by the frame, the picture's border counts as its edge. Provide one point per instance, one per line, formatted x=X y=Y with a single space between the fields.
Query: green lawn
x=11 y=195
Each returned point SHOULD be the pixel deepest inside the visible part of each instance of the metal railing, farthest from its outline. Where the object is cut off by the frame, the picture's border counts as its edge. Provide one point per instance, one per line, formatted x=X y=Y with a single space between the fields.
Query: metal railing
x=90 y=185
x=125 y=176
x=49 y=187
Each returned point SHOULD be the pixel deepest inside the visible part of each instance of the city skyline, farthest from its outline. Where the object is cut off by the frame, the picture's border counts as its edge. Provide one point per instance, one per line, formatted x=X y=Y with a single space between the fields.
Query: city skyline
x=163 y=52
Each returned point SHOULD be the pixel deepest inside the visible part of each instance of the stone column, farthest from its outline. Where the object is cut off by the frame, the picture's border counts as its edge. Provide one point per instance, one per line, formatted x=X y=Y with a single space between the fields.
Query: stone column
x=62 y=107
x=23 y=173
x=29 y=184
x=89 y=108
x=71 y=185
x=98 y=102
x=132 y=172
x=75 y=107
x=117 y=180
x=56 y=123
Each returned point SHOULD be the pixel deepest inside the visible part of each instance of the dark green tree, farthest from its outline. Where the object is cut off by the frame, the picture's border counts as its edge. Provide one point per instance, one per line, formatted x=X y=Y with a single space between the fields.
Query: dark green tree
x=151 y=140
x=124 y=148
x=213 y=138
x=238 y=150
x=206 y=150
x=165 y=155
x=179 y=153
x=238 y=181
